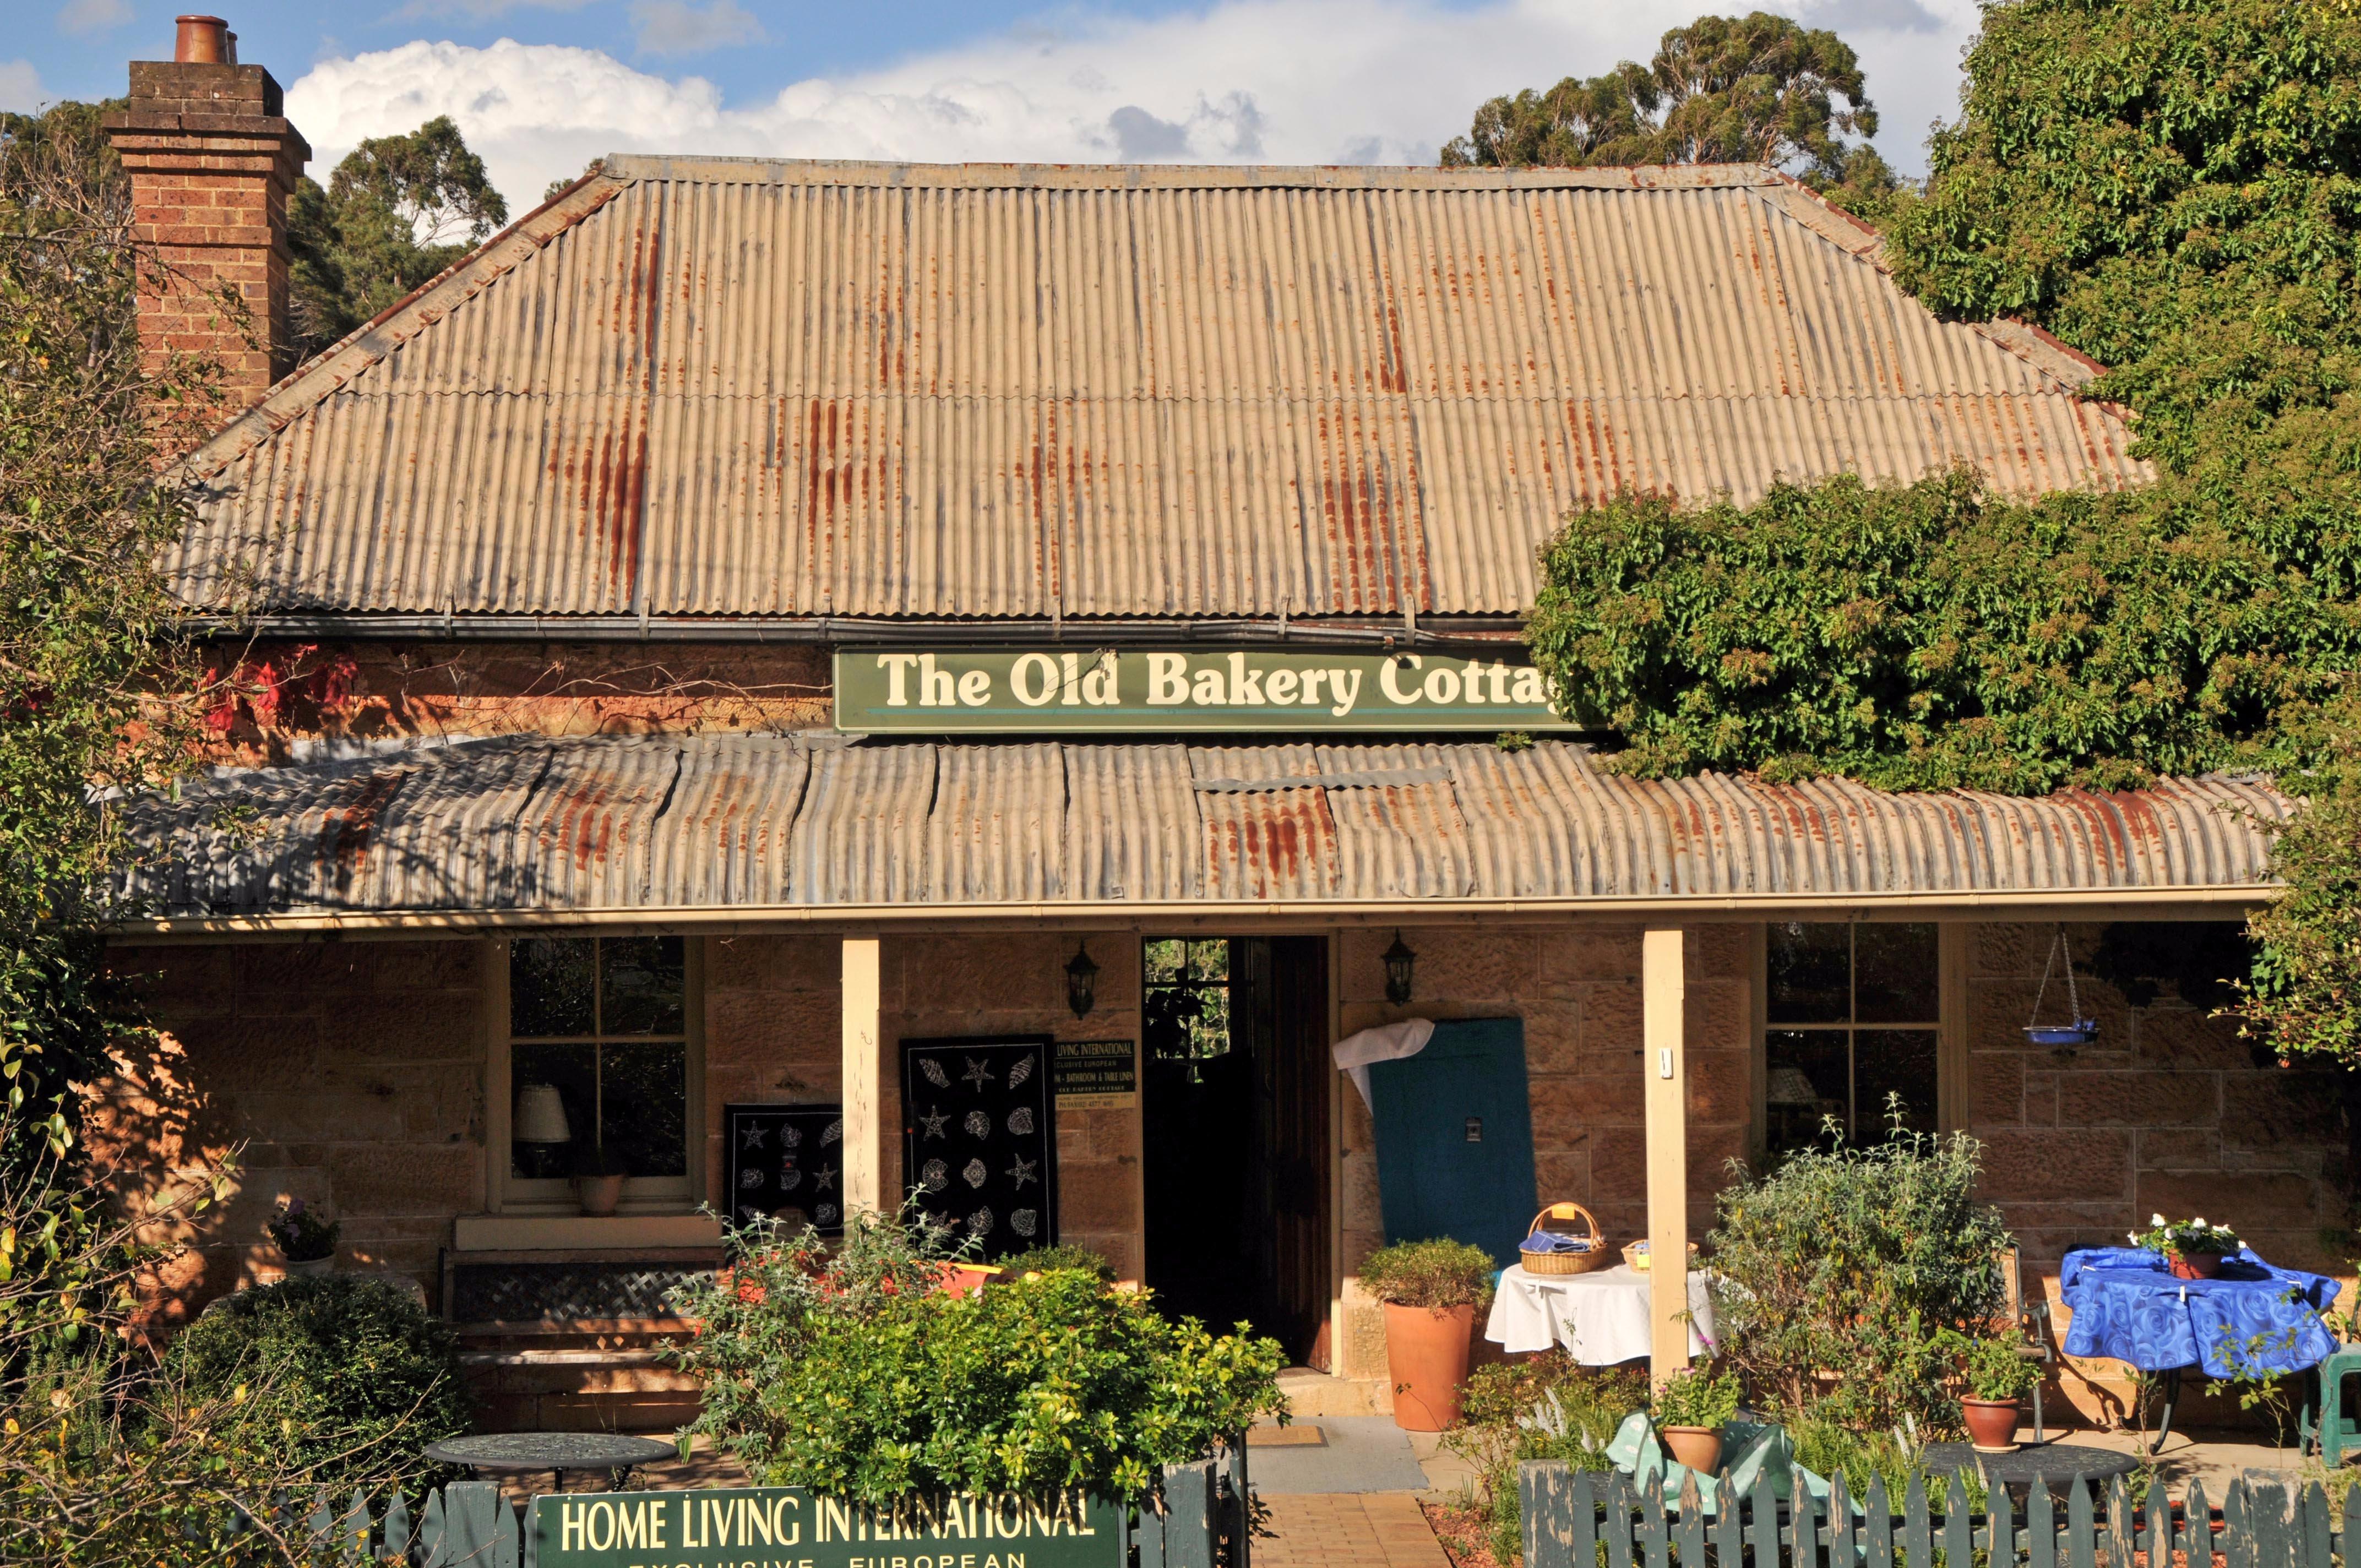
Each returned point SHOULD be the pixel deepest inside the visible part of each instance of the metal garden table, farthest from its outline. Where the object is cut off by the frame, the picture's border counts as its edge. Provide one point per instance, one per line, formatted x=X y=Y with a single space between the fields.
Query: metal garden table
x=528 y=1453
x=2253 y=1318
x=2056 y=1464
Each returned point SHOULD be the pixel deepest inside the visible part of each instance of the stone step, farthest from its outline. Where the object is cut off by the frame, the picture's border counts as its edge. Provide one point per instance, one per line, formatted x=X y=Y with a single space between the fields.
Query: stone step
x=1311 y=1395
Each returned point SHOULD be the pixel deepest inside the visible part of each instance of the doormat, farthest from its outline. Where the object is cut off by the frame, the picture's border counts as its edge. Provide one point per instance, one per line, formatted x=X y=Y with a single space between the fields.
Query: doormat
x=1303 y=1434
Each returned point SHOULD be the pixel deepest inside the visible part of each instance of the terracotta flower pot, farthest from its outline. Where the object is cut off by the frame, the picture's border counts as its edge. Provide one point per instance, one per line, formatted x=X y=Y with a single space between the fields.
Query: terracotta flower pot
x=1427 y=1349
x=1699 y=1448
x=2196 y=1265
x=1991 y=1424
x=600 y=1193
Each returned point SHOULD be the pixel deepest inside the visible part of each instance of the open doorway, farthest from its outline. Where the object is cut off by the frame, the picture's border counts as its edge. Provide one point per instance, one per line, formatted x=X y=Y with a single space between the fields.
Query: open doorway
x=1235 y=1112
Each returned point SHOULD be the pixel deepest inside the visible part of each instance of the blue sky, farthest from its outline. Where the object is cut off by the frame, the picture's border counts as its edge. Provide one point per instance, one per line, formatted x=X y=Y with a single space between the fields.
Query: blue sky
x=540 y=86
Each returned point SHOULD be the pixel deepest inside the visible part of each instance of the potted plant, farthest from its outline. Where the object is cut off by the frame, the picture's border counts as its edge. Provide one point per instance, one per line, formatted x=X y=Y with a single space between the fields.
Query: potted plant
x=1430 y=1289
x=1692 y=1407
x=1997 y=1378
x=599 y=1174
x=2191 y=1248
x=306 y=1242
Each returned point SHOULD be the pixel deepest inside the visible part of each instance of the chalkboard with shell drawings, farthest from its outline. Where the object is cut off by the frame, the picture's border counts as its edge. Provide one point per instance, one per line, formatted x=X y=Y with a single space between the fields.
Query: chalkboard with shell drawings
x=980 y=1138
x=783 y=1157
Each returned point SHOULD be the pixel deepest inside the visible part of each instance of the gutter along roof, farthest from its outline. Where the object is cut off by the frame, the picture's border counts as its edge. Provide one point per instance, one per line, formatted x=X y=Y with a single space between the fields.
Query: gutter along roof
x=530 y=830
x=714 y=389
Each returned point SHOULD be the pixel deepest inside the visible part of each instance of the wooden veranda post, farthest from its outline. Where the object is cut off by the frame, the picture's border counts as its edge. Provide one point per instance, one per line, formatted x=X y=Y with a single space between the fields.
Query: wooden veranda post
x=865 y=1123
x=1662 y=997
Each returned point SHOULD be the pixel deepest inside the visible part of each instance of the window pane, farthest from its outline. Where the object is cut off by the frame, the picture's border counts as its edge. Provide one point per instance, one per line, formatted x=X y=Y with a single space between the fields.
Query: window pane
x=642 y=980
x=573 y=1069
x=1893 y=974
x=1893 y=1061
x=1164 y=957
x=645 y=1090
x=1806 y=973
x=1808 y=1080
x=549 y=985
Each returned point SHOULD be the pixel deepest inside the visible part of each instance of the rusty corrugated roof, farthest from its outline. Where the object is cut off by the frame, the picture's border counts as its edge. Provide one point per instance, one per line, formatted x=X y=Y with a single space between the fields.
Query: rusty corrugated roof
x=743 y=387
x=754 y=822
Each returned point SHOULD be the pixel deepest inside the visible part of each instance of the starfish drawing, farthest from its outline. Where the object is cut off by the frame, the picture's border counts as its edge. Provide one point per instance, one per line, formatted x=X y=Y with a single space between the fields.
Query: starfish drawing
x=977 y=1074
x=933 y=1121
x=823 y=1180
x=1022 y=1171
x=750 y=1137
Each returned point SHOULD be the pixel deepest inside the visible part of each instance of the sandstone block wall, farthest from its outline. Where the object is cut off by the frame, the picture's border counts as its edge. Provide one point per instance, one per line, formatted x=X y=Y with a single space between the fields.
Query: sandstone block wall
x=1578 y=990
x=348 y=1074
x=773 y=1031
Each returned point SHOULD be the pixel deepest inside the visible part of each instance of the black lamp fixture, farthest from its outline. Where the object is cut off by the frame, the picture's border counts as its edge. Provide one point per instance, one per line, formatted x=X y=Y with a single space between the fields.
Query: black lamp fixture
x=1081 y=980
x=1400 y=961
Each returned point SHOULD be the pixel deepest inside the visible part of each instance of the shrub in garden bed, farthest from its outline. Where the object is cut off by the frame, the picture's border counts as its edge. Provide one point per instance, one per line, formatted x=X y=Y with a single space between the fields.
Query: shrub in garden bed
x=344 y=1376
x=1841 y=1275
x=847 y=1369
x=1545 y=1408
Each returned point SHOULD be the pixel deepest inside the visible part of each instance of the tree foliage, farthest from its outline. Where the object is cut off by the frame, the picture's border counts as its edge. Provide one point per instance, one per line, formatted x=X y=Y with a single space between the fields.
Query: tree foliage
x=397 y=211
x=86 y=625
x=2172 y=187
x=1756 y=89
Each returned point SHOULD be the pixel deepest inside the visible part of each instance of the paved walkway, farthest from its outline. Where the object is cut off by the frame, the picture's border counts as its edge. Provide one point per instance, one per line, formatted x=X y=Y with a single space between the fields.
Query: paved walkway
x=1346 y=1529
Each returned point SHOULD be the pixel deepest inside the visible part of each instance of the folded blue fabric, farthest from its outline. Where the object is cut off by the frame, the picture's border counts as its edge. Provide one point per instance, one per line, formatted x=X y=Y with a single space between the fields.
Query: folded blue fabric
x=1545 y=1241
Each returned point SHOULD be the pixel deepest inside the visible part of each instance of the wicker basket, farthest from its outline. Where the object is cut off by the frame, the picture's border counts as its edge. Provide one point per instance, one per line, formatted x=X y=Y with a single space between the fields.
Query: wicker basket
x=1638 y=1258
x=1599 y=1255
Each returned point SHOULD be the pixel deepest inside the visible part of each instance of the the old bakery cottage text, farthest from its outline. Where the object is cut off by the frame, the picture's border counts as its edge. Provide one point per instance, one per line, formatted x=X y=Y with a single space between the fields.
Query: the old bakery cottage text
x=789 y=1528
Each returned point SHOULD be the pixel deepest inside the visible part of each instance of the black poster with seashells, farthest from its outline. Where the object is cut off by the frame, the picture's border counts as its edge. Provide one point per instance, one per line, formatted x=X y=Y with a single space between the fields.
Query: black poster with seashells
x=785 y=1158
x=980 y=1140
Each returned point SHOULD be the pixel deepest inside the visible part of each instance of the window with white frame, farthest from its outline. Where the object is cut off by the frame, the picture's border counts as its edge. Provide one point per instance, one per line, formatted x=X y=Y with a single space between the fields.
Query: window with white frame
x=1850 y=1020
x=599 y=1062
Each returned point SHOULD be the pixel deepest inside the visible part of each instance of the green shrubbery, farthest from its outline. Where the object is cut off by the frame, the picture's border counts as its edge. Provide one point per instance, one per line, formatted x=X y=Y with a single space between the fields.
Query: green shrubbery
x=1548 y=1407
x=1441 y=1273
x=848 y=1371
x=1837 y=1277
x=1045 y=1259
x=344 y=1376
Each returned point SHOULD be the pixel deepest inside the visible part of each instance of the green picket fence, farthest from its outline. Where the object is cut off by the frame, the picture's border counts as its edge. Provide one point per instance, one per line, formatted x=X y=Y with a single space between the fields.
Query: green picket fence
x=1579 y=1519
x=468 y=1524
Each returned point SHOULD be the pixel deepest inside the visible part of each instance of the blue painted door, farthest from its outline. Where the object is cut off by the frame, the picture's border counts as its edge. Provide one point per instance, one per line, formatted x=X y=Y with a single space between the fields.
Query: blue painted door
x=1455 y=1137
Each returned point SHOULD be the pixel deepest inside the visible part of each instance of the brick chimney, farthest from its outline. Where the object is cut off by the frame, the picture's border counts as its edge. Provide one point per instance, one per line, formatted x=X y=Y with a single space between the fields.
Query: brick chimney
x=212 y=164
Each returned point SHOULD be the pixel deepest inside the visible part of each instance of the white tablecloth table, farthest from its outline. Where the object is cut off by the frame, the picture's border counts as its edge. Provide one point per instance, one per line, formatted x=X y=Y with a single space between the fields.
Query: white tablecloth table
x=1601 y=1317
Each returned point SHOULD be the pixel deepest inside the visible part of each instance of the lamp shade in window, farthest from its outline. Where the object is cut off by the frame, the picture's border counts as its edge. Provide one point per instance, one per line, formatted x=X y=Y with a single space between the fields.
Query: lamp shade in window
x=1789 y=1086
x=541 y=1116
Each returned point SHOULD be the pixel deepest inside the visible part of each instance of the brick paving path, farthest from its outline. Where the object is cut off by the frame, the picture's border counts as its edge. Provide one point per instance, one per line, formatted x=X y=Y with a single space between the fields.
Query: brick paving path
x=1346 y=1529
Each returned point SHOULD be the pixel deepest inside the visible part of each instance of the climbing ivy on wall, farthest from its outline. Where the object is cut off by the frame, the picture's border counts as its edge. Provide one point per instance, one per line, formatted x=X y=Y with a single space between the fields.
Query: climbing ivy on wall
x=2172 y=187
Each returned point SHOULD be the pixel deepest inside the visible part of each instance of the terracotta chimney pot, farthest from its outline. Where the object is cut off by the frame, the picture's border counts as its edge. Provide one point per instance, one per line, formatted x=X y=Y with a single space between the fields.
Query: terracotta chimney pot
x=203 y=40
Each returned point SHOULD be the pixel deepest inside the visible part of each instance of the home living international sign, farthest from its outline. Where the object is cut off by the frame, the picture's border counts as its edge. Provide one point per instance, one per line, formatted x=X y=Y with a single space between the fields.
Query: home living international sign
x=985 y=691
x=789 y=1527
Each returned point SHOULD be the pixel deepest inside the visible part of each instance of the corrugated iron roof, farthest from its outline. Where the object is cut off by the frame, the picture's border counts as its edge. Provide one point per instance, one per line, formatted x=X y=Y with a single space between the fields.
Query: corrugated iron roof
x=750 y=822
x=700 y=388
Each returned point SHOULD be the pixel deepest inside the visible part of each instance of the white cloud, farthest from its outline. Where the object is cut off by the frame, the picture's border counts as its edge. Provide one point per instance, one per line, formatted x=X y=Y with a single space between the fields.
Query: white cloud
x=21 y=87
x=92 y=16
x=677 y=27
x=1250 y=81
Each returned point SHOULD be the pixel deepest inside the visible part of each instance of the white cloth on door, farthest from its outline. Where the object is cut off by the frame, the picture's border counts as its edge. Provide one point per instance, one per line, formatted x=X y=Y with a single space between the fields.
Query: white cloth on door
x=1386 y=1042
x=1601 y=1317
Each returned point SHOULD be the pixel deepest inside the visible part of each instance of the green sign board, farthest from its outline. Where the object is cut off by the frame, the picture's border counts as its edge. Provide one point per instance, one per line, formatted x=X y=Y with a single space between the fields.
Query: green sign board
x=940 y=691
x=788 y=1526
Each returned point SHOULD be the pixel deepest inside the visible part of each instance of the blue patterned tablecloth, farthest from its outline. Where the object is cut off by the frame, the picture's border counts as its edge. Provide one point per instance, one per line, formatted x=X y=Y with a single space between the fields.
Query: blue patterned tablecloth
x=2252 y=1318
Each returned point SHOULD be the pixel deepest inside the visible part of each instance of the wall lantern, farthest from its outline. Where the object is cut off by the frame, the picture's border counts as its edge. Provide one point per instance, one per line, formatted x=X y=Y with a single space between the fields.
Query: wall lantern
x=1081 y=980
x=1399 y=961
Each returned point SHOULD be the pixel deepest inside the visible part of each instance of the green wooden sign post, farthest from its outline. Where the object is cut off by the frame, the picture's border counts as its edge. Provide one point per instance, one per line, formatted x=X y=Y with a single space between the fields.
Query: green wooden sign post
x=789 y=1527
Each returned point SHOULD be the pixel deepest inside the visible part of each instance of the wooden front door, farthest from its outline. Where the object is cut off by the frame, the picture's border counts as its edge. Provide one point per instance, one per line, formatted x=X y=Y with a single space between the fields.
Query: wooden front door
x=1293 y=1080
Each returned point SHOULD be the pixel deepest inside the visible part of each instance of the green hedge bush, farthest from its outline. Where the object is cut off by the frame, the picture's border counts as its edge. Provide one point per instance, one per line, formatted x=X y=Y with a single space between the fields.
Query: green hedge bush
x=847 y=1371
x=1439 y=1273
x=345 y=1376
